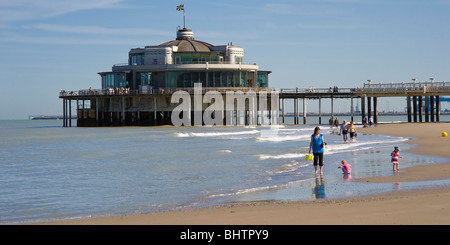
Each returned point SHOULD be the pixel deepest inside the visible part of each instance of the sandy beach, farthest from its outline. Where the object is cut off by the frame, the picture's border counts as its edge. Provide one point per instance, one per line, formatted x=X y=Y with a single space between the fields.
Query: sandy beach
x=417 y=207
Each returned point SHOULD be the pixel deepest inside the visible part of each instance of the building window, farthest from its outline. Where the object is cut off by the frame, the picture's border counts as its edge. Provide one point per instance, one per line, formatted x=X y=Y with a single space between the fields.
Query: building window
x=136 y=59
x=146 y=79
x=262 y=79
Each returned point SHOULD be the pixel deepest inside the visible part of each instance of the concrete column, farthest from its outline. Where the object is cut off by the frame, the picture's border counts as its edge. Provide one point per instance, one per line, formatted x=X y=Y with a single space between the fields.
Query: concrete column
x=96 y=110
x=351 y=109
x=438 y=109
x=154 y=109
x=427 y=108
x=70 y=113
x=295 y=111
x=304 y=110
x=332 y=108
x=375 y=110
x=419 y=100
x=320 y=110
x=431 y=108
x=64 y=112
x=408 y=107
x=363 y=108
x=414 y=108
x=369 y=107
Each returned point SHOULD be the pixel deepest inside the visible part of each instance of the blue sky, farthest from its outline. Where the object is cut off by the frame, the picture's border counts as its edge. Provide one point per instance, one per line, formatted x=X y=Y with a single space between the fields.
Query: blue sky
x=49 y=45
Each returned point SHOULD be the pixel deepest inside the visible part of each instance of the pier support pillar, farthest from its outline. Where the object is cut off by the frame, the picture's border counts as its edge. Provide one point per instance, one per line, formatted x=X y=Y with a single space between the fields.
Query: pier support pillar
x=363 y=108
x=70 y=113
x=154 y=111
x=295 y=111
x=369 y=105
x=431 y=108
x=304 y=110
x=320 y=111
x=414 y=100
x=332 y=107
x=282 y=101
x=64 y=112
x=427 y=108
x=375 y=109
x=438 y=109
x=408 y=107
x=420 y=109
x=351 y=109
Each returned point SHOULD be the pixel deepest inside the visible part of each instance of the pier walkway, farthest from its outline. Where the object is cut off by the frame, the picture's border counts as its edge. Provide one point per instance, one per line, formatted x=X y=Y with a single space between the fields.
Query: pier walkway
x=416 y=92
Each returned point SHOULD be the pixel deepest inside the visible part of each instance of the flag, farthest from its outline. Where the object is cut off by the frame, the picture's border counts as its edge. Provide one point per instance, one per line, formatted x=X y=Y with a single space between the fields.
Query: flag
x=180 y=7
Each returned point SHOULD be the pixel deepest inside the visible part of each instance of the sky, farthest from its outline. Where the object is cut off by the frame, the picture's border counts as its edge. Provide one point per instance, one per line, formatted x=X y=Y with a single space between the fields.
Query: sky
x=50 y=45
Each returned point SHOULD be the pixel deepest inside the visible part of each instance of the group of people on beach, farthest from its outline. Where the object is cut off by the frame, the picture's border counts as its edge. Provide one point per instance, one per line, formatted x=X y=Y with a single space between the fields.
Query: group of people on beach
x=344 y=129
x=318 y=143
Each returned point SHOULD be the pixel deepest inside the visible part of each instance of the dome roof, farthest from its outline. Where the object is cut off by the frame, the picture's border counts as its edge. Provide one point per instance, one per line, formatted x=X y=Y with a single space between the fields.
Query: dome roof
x=186 y=43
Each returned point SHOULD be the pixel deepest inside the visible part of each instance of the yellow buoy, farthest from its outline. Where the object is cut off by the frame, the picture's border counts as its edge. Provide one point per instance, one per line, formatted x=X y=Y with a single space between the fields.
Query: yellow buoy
x=444 y=134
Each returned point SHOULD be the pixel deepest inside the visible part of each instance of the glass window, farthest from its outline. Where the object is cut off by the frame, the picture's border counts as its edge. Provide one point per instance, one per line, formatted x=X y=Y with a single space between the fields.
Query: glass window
x=217 y=79
x=136 y=59
x=262 y=80
x=210 y=79
x=146 y=78
x=186 y=59
x=171 y=79
x=187 y=80
x=195 y=77
x=230 y=81
x=224 y=79
x=203 y=78
x=180 y=76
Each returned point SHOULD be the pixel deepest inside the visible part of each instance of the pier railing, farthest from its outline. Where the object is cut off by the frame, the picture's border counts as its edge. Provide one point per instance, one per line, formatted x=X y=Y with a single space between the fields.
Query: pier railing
x=368 y=88
x=404 y=88
x=316 y=90
x=222 y=90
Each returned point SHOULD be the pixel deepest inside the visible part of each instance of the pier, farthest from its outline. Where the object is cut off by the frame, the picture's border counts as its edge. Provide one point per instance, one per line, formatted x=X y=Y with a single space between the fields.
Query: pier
x=96 y=108
x=428 y=92
x=154 y=107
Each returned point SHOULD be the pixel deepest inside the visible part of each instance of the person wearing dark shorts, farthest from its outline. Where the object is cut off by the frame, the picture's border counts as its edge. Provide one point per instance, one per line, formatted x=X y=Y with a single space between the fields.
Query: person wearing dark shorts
x=316 y=145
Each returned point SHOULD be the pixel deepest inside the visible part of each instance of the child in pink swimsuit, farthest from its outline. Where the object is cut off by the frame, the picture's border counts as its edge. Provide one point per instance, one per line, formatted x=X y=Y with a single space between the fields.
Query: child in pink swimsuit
x=346 y=168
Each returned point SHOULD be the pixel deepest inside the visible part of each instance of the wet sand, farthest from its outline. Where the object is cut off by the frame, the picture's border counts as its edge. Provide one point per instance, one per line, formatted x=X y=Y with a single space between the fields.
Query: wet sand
x=402 y=207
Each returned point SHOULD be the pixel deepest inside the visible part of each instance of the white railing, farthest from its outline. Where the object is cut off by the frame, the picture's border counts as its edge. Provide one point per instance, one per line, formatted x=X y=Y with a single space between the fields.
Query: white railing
x=88 y=92
x=421 y=87
x=407 y=85
x=187 y=63
x=316 y=90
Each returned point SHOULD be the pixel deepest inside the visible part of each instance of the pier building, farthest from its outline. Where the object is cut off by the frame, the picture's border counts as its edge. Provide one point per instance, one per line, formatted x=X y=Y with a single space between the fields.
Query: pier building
x=139 y=92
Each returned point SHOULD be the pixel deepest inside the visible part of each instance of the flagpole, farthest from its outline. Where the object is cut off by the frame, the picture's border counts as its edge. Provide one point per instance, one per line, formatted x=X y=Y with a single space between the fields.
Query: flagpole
x=184 y=19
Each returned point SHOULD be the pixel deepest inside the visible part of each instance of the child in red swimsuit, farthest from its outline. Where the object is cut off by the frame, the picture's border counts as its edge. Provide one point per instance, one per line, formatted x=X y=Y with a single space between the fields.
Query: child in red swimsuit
x=394 y=158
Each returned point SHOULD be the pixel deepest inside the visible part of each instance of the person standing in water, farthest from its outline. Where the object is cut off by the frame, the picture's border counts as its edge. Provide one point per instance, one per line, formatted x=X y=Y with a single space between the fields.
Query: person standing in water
x=316 y=145
x=344 y=131
x=394 y=158
x=352 y=131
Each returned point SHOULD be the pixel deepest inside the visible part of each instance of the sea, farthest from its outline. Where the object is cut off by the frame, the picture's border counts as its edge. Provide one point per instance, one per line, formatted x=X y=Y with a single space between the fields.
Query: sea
x=50 y=173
